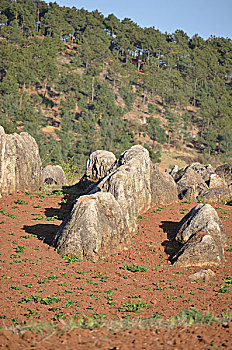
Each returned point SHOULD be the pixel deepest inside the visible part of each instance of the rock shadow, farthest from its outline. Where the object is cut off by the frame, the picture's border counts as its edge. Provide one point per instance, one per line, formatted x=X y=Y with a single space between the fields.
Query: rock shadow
x=44 y=232
x=171 y=245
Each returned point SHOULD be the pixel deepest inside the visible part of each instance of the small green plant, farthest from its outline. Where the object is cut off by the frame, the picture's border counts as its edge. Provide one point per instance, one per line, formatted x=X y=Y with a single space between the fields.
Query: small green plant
x=63 y=201
x=223 y=289
x=20 y=201
x=52 y=218
x=32 y=313
x=20 y=249
x=135 y=268
x=70 y=258
x=38 y=217
x=134 y=306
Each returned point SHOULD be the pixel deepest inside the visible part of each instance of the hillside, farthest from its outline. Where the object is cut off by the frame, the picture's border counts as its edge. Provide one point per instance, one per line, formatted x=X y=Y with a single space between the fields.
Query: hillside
x=78 y=81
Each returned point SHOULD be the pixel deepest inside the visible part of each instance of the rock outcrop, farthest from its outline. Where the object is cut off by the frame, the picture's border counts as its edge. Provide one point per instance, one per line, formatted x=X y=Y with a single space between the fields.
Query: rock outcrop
x=163 y=187
x=54 y=174
x=225 y=172
x=129 y=188
x=129 y=181
x=95 y=228
x=200 y=182
x=20 y=163
x=98 y=164
x=203 y=237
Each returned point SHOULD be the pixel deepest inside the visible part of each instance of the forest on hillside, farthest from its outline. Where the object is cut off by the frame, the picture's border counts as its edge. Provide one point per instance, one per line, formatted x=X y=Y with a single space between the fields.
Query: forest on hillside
x=71 y=77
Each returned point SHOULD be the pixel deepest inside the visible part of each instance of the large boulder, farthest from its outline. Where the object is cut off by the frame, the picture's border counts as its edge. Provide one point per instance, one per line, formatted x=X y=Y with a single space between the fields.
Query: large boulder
x=54 y=174
x=225 y=172
x=20 y=163
x=98 y=164
x=163 y=187
x=95 y=228
x=129 y=181
x=203 y=237
x=190 y=184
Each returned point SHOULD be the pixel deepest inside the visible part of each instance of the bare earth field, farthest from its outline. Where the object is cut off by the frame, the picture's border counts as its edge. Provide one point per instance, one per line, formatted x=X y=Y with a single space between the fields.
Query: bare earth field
x=50 y=302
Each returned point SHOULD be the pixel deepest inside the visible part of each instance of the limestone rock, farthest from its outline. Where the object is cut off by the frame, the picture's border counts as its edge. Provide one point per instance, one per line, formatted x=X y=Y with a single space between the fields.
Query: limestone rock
x=98 y=164
x=200 y=250
x=101 y=221
x=129 y=181
x=225 y=172
x=54 y=174
x=203 y=217
x=203 y=170
x=216 y=181
x=135 y=184
x=163 y=187
x=204 y=275
x=216 y=195
x=95 y=228
x=190 y=184
x=203 y=237
x=20 y=163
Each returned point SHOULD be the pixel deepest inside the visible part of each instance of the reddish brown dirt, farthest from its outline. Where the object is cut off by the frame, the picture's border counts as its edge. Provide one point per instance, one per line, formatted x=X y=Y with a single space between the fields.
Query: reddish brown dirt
x=30 y=267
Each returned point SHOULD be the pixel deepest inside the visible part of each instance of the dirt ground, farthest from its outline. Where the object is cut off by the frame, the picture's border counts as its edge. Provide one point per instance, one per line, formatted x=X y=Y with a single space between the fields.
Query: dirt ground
x=38 y=285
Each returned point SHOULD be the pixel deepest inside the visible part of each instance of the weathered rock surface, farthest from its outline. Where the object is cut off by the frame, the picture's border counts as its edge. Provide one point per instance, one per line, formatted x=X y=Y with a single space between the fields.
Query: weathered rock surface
x=101 y=221
x=95 y=228
x=203 y=237
x=98 y=164
x=225 y=172
x=203 y=217
x=216 y=195
x=200 y=250
x=200 y=182
x=190 y=185
x=129 y=181
x=54 y=174
x=204 y=275
x=20 y=163
x=163 y=187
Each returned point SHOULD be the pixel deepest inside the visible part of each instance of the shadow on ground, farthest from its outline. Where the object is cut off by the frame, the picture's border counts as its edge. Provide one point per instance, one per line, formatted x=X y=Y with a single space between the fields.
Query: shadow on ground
x=44 y=232
x=171 y=246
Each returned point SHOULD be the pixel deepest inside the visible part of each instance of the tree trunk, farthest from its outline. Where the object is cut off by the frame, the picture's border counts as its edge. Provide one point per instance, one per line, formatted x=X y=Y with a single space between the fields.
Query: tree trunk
x=37 y=24
x=194 y=95
x=92 y=97
x=45 y=89
x=144 y=98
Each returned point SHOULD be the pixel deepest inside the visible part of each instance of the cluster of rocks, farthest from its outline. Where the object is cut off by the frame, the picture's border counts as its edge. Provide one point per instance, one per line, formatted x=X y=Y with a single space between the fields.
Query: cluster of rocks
x=203 y=182
x=115 y=192
x=101 y=222
x=202 y=236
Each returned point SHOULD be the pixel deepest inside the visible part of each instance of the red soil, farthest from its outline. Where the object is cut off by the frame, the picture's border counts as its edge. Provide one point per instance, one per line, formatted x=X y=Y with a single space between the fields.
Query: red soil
x=30 y=266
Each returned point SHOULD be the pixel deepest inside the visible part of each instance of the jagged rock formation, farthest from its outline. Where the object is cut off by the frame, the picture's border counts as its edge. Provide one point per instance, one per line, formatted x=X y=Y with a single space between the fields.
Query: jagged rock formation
x=20 y=163
x=200 y=182
x=131 y=185
x=54 y=174
x=203 y=237
x=163 y=187
x=225 y=172
x=129 y=181
x=96 y=228
x=98 y=164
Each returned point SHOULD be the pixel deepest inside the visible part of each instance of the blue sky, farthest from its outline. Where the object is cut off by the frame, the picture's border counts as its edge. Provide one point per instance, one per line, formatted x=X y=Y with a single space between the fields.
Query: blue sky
x=204 y=17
